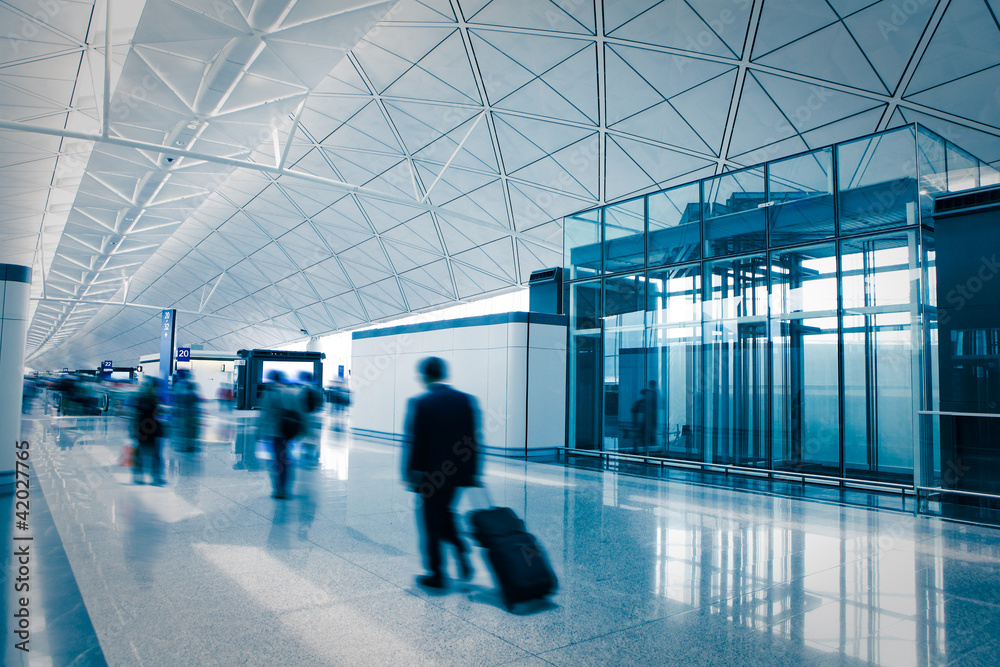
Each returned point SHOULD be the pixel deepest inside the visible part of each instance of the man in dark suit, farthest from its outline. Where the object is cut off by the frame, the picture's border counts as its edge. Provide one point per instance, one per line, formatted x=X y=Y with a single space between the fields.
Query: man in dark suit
x=443 y=456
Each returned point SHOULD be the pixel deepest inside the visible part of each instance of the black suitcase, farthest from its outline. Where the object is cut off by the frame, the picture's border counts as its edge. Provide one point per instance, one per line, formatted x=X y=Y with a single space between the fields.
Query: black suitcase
x=518 y=561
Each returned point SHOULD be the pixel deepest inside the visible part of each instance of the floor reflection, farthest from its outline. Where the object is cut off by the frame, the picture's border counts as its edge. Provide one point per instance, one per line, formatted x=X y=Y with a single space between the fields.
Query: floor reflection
x=885 y=590
x=142 y=537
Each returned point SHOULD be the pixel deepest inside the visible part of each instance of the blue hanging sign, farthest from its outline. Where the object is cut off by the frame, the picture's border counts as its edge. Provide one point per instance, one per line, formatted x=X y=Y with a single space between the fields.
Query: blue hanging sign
x=168 y=328
x=340 y=371
x=184 y=354
x=107 y=367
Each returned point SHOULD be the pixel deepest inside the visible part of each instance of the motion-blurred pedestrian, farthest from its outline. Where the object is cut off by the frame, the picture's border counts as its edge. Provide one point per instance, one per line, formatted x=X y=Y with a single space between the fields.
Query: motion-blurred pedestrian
x=185 y=414
x=442 y=427
x=283 y=421
x=311 y=403
x=147 y=429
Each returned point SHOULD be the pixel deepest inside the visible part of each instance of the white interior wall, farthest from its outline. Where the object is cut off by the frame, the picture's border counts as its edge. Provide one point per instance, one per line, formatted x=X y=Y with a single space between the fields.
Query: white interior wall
x=488 y=361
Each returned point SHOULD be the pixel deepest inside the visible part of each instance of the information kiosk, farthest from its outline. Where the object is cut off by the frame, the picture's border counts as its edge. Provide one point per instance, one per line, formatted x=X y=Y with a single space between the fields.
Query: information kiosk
x=253 y=366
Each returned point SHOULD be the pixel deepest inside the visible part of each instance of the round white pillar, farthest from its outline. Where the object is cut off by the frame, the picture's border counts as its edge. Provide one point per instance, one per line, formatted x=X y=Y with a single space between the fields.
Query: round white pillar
x=15 y=288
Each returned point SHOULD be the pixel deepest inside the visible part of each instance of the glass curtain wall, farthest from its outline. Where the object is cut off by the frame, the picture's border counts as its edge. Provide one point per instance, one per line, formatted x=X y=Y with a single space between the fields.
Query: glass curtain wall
x=780 y=317
x=674 y=363
x=736 y=361
x=584 y=366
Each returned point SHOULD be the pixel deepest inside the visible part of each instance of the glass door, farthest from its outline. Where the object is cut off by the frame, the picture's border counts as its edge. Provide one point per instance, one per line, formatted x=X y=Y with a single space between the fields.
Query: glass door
x=737 y=362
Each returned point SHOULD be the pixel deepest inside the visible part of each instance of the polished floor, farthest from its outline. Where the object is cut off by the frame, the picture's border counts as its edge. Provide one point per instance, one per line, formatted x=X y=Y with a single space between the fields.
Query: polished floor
x=210 y=570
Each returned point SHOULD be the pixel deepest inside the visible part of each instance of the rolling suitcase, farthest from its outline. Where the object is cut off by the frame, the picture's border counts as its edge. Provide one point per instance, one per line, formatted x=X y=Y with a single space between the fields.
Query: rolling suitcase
x=519 y=563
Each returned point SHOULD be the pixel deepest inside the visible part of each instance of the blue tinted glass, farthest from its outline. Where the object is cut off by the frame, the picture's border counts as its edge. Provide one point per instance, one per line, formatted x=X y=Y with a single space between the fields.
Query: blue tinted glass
x=582 y=244
x=624 y=227
x=800 y=192
x=734 y=215
x=877 y=177
x=675 y=225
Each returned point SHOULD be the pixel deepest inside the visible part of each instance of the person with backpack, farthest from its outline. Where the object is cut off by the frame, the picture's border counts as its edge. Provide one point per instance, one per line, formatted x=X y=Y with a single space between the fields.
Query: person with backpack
x=311 y=401
x=282 y=422
x=147 y=429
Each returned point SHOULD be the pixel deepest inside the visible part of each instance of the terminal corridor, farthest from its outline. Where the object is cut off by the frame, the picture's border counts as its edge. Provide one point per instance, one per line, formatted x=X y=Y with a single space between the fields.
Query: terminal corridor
x=209 y=569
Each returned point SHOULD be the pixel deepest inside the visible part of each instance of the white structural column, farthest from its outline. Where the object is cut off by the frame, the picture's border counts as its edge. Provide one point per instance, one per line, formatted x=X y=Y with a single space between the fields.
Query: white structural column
x=15 y=287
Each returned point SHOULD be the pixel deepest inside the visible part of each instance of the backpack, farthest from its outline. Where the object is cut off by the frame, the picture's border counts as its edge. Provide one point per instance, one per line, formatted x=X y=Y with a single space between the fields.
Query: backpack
x=313 y=399
x=290 y=423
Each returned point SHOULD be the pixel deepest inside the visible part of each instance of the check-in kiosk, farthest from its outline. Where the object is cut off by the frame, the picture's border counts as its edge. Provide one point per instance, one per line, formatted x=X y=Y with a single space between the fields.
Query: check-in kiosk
x=253 y=366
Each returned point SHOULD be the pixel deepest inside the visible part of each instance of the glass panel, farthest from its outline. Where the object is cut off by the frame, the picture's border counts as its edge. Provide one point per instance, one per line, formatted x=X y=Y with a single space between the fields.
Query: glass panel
x=930 y=436
x=963 y=169
x=624 y=228
x=804 y=432
x=801 y=192
x=736 y=374
x=988 y=175
x=624 y=359
x=736 y=288
x=584 y=365
x=582 y=244
x=877 y=181
x=734 y=222
x=737 y=360
x=675 y=225
x=881 y=398
x=931 y=168
x=674 y=364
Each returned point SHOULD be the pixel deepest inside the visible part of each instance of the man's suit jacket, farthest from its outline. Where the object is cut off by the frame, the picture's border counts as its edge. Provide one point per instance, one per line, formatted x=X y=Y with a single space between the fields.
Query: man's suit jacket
x=442 y=433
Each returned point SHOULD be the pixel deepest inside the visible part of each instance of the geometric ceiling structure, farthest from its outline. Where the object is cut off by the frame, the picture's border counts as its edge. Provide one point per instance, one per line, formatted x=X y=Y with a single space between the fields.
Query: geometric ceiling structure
x=290 y=168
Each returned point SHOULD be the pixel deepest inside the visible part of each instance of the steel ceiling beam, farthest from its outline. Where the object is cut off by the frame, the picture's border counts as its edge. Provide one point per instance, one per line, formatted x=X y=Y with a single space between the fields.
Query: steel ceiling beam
x=278 y=171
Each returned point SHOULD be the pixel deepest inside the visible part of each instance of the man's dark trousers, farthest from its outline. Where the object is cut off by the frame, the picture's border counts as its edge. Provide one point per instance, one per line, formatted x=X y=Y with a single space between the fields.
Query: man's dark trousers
x=281 y=465
x=439 y=526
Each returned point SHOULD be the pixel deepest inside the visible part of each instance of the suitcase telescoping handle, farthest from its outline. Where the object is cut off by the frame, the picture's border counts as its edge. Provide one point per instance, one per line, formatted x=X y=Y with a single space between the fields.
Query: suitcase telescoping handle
x=483 y=493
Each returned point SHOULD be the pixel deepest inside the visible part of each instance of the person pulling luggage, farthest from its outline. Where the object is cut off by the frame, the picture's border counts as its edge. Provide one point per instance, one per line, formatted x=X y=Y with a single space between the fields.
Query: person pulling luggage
x=442 y=456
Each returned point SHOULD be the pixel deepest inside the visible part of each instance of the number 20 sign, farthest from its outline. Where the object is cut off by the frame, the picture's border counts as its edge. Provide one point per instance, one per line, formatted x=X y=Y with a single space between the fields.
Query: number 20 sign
x=184 y=354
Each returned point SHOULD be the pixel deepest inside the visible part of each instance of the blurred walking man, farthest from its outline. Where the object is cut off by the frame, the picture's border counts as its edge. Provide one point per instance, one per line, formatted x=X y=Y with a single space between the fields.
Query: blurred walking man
x=282 y=422
x=442 y=435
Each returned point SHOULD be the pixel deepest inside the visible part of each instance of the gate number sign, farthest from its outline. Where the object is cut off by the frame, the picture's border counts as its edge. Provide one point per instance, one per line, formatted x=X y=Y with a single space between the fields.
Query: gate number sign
x=184 y=354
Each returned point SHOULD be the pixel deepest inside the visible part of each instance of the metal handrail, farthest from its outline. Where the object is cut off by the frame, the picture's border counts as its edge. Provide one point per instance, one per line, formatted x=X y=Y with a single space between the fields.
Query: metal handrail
x=726 y=468
x=936 y=489
x=992 y=415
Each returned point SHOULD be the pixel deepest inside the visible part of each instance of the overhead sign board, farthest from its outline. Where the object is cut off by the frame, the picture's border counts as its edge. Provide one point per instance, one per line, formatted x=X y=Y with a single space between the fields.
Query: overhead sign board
x=184 y=354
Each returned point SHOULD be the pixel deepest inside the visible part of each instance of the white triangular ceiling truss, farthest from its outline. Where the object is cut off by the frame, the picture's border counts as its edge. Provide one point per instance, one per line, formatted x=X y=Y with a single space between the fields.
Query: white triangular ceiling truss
x=291 y=168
